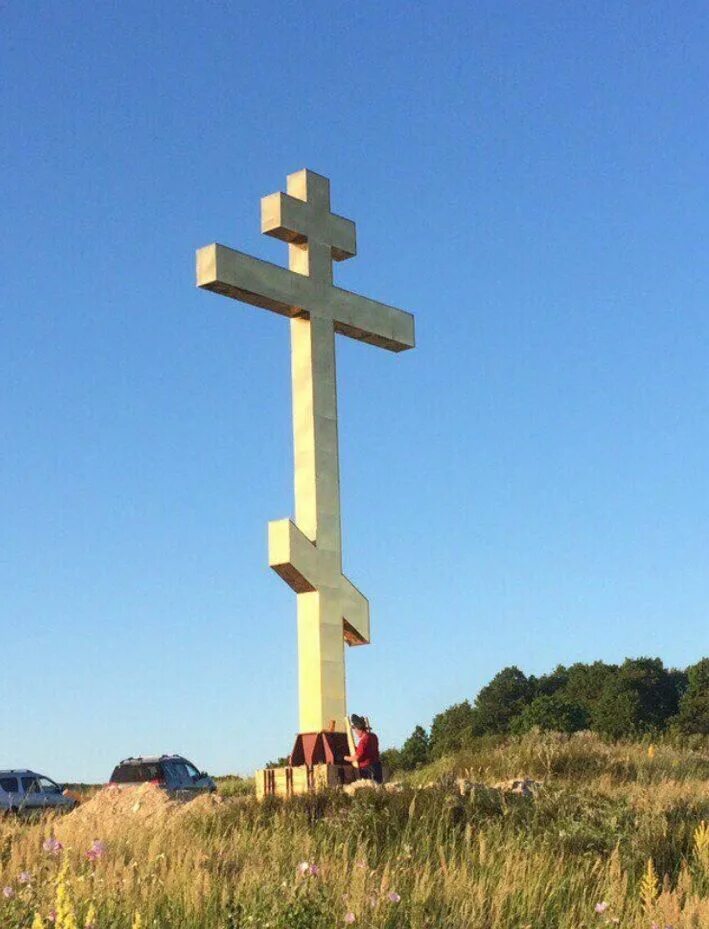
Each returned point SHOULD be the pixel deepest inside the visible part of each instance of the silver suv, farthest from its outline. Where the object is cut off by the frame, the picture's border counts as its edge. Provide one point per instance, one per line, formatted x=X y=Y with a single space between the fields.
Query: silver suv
x=22 y=791
x=173 y=773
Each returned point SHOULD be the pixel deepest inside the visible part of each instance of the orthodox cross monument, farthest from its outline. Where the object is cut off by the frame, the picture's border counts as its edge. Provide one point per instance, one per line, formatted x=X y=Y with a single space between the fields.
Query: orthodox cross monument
x=307 y=552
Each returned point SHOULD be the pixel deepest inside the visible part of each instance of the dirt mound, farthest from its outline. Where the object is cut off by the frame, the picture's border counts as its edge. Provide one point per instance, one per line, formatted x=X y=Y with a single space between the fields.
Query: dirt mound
x=144 y=801
x=113 y=809
x=201 y=804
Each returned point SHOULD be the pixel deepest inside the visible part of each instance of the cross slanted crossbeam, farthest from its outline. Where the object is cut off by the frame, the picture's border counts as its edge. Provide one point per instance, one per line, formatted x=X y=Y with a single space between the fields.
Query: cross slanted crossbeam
x=307 y=553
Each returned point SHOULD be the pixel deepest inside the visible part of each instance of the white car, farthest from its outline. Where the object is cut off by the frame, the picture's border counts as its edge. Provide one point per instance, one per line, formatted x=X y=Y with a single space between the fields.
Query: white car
x=22 y=790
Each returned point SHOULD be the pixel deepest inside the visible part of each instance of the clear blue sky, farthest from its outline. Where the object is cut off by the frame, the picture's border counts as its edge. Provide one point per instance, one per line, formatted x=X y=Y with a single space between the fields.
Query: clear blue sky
x=529 y=486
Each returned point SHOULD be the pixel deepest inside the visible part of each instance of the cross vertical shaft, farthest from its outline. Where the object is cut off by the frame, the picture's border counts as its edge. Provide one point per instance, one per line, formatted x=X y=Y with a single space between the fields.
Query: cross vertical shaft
x=321 y=651
x=315 y=437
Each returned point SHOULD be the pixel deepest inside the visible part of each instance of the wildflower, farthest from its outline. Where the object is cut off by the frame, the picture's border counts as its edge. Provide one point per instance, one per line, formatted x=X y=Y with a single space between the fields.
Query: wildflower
x=8 y=892
x=96 y=851
x=649 y=887
x=52 y=845
x=303 y=867
x=24 y=877
x=65 y=917
x=90 y=921
x=314 y=870
x=350 y=918
x=601 y=907
x=393 y=897
x=52 y=916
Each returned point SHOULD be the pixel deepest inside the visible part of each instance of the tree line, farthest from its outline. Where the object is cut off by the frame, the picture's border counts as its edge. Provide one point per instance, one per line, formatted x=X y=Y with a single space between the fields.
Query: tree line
x=636 y=697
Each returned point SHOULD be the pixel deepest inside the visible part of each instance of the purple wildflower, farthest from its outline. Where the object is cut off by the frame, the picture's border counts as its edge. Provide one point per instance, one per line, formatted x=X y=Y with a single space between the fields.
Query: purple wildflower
x=96 y=851
x=8 y=892
x=393 y=897
x=24 y=877
x=52 y=845
x=601 y=907
x=350 y=918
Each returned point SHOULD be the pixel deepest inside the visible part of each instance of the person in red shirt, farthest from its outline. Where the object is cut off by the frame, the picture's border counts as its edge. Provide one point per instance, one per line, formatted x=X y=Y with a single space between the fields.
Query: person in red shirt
x=367 y=751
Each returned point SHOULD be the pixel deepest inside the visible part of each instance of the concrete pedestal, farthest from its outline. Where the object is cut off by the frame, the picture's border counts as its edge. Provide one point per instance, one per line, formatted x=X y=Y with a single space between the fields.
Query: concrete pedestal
x=317 y=762
x=292 y=781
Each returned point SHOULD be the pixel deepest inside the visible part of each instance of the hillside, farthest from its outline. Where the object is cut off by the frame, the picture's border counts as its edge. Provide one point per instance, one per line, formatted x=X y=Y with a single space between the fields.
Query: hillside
x=639 y=697
x=613 y=836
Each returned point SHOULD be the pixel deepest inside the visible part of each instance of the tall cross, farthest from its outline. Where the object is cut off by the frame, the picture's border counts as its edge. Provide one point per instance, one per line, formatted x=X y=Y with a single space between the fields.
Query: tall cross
x=307 y=553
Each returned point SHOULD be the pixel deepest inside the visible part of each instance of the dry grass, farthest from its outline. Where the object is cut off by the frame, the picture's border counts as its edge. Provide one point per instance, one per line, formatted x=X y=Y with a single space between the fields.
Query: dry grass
x=484 y=860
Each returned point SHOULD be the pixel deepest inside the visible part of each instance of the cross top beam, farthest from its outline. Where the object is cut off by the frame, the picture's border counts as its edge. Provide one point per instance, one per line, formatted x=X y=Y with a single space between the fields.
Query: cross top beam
x=307 y=552
x=302 y=217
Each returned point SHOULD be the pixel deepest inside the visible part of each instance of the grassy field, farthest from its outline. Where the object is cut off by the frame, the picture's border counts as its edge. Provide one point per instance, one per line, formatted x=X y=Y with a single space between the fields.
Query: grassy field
x=613 y=838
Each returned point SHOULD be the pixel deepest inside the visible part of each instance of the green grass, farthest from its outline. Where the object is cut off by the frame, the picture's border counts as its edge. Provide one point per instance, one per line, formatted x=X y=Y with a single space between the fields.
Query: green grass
x=234 y=786
x=422 y=856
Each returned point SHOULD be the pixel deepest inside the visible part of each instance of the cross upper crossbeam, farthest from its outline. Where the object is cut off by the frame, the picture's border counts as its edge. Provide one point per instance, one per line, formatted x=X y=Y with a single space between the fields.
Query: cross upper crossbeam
x=303 y=216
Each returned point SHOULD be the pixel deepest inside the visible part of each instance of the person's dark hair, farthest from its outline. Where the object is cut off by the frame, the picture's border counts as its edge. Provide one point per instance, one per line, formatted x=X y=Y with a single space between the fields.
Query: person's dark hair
x=358 y=722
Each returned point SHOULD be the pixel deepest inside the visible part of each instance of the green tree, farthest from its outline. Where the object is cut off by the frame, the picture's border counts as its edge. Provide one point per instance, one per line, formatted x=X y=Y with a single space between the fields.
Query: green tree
x=416 y=750
x=585 y=682
x=391 y=759
x=549 y=684
x=551 y=713
x=656 y=687
x=616 y=713
x=693 y=713
x=452 y=729
x=501 y=700
x=640 y=697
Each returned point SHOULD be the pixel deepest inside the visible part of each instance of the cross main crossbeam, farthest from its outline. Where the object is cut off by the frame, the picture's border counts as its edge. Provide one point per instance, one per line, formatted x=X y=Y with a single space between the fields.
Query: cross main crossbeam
x=261 y=283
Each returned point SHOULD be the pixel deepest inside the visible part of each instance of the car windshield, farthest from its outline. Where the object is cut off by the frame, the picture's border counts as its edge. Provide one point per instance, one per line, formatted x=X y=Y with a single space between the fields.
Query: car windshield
x=137 y=773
